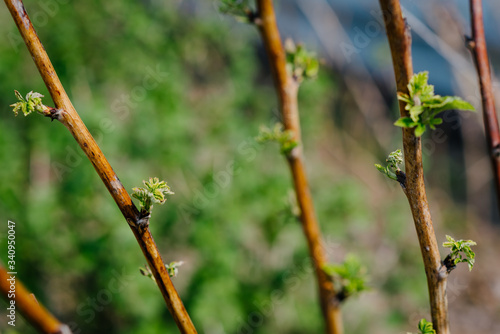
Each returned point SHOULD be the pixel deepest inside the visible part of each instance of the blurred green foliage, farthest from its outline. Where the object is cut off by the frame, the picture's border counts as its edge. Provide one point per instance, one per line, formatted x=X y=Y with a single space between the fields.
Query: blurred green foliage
x=349 y=277
x=174 y=90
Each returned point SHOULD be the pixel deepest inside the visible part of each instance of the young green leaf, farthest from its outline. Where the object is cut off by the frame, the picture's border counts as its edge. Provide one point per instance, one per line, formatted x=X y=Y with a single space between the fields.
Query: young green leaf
x=381 y=168
x=426 y=327
x=419 y=130
x=423 y=106
x=405 y=122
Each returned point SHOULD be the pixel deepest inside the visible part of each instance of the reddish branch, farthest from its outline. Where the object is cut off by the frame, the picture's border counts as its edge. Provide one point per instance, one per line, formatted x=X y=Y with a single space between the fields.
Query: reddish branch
x=287 y=88
x=400 y=43
x=68 y=116
x=477 y=46
x=26 y=304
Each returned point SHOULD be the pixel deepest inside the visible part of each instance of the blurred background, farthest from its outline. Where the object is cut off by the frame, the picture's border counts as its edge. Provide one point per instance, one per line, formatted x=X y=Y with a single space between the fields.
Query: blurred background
x=176 y=90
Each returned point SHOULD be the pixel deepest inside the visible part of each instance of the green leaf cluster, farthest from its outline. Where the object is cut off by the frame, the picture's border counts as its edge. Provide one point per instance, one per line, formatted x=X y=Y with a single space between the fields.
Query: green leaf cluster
x=457 y=247
x=394 y=160
x=33 y=102
x=240 y=9
x=277 y=134
x=173 y=268
x=424 y=106
x=155 y=191
x=425 y=327
x=349 y=277
x=301 y=64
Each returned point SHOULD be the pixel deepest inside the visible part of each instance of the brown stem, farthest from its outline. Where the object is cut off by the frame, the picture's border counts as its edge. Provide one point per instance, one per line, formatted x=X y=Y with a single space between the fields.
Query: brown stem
x=287 y=89
x=477 y=46
x=400 y=43
x=68 y=116
x=37 y=315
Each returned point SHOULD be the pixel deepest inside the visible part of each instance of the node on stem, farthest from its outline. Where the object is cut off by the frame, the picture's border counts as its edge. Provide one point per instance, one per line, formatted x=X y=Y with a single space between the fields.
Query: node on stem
x=240 y=9
x=349 y=277
x=172 y=269
x=283 y=138
x=392 y=170
x=300 y=63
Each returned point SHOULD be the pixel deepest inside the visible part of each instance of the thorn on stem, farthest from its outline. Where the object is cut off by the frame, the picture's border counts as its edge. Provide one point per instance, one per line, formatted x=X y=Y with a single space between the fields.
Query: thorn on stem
x=253 y=17
x=131 y=222
x=340 y=296
x=32 y=295
x=469 y=42
x=64 y=329
x=54 y=114
x=407 y=28
x=143 y=221
x=496 y=151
